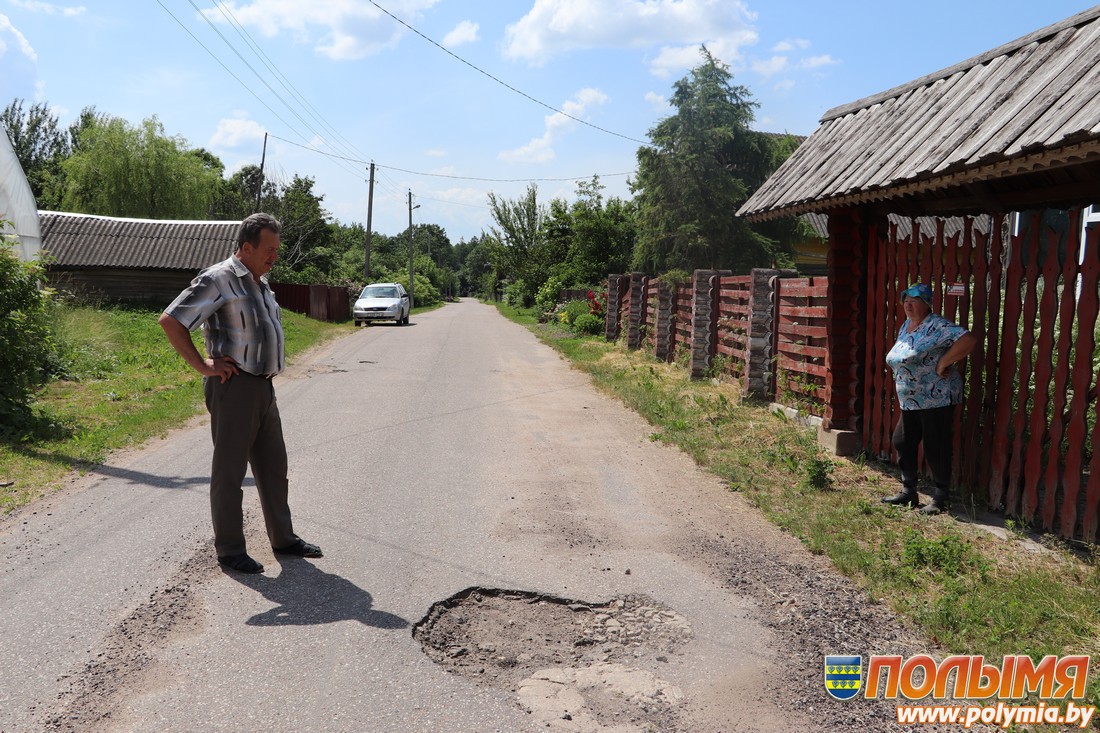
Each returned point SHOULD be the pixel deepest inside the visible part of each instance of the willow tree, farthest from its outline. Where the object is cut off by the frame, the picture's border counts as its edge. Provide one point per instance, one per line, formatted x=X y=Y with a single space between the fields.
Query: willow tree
x=703 y=163
x=117 y=169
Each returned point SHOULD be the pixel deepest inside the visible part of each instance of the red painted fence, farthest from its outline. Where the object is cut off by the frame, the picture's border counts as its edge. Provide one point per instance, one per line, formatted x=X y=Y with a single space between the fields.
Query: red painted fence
x=1026 y=434
x=734 y=313
x=799 y=342
x=322 y=302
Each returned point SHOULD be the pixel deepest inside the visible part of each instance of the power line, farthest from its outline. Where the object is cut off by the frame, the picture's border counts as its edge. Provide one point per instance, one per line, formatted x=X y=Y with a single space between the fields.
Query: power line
x=503 y=83
x=254 y=72
x=445 y=175
x=227 y=13
x=227 y=69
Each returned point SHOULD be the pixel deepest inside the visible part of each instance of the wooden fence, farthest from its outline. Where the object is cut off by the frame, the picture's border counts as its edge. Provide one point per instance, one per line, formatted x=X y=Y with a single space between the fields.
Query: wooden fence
x=733 y=322
x=737 y=310
x=322 y=302
x=800 y=342
x=1026 y=434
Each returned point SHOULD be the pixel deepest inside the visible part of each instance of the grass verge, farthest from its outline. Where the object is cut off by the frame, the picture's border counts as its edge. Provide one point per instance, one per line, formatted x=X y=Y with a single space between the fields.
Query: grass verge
x=967 y=590
x=123 y=384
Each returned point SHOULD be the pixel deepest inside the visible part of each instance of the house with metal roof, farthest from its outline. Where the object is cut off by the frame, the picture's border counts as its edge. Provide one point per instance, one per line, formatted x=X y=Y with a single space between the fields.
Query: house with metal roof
x=1016 y=129
x=131 y=259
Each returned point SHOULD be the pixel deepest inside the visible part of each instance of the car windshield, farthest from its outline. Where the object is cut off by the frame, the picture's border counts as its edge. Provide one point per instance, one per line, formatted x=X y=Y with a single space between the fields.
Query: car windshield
x=379 y=291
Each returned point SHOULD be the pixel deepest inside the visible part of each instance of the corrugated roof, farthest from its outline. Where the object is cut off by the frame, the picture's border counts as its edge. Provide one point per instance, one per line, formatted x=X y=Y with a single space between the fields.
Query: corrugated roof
x=1027 y=106
x=80 y=240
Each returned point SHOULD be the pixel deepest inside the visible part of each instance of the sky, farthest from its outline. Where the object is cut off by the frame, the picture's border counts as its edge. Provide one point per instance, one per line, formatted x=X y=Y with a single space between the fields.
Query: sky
x=454 y=99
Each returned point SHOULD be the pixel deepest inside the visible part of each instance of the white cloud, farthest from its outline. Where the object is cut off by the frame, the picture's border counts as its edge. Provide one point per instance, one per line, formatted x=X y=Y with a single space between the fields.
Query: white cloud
x=435 y=153
x=659 y=102
x=6 y=28
x=771 y=66
x=790 y=45
x=784 y=86
x=339 y=29
x=815 y=62
x=464 y=32
x=540 y=149
x=49 y=8
x=235 y=132
x=677 y=27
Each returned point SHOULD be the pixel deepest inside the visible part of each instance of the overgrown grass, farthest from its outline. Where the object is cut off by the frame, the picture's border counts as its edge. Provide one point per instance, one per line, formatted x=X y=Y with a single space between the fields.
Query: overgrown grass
x=966 y=589
x=121 y=383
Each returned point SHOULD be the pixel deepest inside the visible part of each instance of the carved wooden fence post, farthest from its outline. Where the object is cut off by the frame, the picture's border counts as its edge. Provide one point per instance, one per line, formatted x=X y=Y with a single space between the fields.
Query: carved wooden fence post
x=704 y=331
x=664 y=327
x=636 y=319
x=612 y=324
x=759 y=369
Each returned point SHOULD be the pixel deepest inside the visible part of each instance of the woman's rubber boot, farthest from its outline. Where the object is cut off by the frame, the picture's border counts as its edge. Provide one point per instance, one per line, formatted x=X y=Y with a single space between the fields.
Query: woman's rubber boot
x=907 y=496
x=938 y=505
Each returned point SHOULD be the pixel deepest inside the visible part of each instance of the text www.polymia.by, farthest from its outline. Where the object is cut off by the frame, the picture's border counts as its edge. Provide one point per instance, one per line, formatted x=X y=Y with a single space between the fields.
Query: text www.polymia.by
x=1003 y=715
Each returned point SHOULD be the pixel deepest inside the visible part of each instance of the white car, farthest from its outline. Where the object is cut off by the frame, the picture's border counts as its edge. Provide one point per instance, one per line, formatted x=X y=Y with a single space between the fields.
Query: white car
x=382 y=302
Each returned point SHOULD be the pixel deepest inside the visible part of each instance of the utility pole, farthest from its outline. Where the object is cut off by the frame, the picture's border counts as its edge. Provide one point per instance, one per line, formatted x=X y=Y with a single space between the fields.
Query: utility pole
x=370 y=212
x=260 y=187
x=411 y=207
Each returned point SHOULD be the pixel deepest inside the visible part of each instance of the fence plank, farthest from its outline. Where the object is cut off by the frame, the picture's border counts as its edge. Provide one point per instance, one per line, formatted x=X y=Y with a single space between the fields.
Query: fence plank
x=799 y=329
x=995 y=321
x=1044 y=368
x=1051 y=481
x=1028 y=250
x=1088 y=307
x=1007 y=373
x=974 y=255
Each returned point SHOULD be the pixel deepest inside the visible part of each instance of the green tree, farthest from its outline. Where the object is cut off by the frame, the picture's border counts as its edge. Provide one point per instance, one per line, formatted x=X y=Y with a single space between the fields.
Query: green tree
x=703 y=164
x=476 y=273
x=598 y=236
x=120 y=170
x=25 y=340
x=306 y=236
x=525 y=255
x=41 y=147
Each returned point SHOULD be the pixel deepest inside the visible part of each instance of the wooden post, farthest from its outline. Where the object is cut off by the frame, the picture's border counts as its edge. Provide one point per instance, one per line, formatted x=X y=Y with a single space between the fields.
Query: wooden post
x=612 y=325
x=847 y=329
x=664 y=326
x=761 y=337
x=636 y=314
x=704 y=321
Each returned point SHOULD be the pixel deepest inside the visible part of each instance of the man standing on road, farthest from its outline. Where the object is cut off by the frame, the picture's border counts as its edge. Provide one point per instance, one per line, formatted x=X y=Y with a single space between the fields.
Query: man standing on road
x=244 y=342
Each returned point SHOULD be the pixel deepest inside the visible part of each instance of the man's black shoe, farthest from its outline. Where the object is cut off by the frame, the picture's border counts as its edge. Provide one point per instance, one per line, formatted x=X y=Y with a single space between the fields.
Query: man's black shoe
x=300 y=548
x=241 y=563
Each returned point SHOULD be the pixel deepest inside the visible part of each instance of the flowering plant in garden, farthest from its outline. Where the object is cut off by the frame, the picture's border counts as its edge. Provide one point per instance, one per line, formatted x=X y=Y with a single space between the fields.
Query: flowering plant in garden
x=597 y=304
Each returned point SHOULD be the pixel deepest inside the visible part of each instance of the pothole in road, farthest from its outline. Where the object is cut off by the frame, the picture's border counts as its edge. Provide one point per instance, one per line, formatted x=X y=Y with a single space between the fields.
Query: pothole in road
x=574 y=666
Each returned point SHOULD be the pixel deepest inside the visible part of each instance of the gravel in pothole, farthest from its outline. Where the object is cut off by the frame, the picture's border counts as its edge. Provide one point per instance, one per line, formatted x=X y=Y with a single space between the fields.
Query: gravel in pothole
x=500 y=636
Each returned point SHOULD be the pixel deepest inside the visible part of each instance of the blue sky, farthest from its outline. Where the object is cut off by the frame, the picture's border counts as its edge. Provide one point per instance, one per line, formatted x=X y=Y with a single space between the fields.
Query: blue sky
x=346 y=78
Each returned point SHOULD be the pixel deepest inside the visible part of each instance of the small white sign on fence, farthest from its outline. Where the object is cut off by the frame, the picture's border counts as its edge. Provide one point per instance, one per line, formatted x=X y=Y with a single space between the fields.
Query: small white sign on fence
x=955 y=289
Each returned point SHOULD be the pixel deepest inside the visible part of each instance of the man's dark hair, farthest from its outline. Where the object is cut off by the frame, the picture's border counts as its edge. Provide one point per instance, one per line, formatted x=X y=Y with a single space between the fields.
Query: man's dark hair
x=253 y=225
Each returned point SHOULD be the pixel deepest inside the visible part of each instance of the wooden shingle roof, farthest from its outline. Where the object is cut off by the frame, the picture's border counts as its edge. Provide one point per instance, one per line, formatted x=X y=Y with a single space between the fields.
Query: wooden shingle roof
x=986 y=134
x=80 y=240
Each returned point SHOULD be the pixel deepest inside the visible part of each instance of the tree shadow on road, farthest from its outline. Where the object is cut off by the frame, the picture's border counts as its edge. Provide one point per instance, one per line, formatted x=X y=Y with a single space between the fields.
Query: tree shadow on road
x=306 y=595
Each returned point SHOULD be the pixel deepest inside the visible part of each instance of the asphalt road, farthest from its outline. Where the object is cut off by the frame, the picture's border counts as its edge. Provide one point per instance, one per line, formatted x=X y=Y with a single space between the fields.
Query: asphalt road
x=425 y=460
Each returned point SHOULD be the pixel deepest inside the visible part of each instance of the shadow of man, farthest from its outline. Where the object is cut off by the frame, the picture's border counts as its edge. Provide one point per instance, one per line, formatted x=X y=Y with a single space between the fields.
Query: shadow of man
x=307 y=595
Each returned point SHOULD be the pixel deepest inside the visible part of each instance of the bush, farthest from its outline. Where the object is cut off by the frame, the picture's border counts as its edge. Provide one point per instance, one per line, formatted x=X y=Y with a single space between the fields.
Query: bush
x=547 y=296
x=26 y=345
x=424 y=293
x=516 y=295
x=571 y=311
x=588 y=324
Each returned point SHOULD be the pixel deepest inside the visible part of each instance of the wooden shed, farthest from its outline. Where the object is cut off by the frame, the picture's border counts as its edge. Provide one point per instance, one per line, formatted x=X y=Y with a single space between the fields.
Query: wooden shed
x=1016 y=129
x=131 y=259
